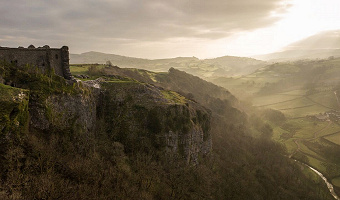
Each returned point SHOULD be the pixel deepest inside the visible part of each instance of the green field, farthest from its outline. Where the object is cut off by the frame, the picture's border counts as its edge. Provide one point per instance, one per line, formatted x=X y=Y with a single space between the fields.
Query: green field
x=299 y=91
x=83 y=69
x=296 y=104
x=317 y=164
x=78 y=69
x=336 y=181
x=272 y=100
x=334 y=138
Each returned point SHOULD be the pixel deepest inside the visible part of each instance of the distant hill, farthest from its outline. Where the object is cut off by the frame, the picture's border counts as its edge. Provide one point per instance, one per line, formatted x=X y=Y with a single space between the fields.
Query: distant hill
x=319 y=46
x=236 y=65
x=208 y=68
x=101 y=58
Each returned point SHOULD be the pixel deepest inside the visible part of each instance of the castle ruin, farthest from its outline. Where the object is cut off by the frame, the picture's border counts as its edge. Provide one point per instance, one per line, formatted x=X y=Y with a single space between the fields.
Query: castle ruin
x=45 y=58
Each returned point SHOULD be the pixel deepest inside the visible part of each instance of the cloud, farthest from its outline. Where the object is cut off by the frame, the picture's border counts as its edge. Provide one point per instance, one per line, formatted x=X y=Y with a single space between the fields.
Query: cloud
x=132 y=20
x=323 y=40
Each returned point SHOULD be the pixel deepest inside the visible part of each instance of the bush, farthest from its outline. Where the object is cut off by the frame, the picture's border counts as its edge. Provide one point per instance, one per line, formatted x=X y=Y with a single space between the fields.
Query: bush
x=94 y=70
x=274 y=116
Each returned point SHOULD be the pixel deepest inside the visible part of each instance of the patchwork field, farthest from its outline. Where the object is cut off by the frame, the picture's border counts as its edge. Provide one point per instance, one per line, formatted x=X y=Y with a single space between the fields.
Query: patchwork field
x=336 y=181
x=334 y=138
x=303 y=91
x=312 y=142
x=306 y=138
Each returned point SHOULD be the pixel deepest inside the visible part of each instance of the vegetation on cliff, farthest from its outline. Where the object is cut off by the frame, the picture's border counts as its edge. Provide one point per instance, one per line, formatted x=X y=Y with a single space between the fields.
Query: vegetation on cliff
x=123 y=155
x=306 y=92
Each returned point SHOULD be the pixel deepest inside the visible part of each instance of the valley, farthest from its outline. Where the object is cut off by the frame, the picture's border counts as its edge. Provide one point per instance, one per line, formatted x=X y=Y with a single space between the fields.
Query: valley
x=292 y=133
x=306 y=92
x=179 y=124
x=204 y=68
x=170 y=100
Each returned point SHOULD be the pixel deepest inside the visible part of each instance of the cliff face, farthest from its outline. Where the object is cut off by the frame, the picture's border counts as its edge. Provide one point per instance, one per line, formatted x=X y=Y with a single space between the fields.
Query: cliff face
x=143 y=115
x=117 y=138
x=135 y=114
x=64 y=112
x=13 y=110
x=219 y=100
x=138 y=115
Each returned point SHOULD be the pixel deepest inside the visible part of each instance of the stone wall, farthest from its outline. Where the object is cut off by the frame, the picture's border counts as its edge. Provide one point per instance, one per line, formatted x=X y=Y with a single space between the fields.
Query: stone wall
x=45 y=58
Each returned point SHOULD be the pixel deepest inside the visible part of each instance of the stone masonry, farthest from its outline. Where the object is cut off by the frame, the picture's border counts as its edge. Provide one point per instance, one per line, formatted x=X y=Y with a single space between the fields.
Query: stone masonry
x=45 y=58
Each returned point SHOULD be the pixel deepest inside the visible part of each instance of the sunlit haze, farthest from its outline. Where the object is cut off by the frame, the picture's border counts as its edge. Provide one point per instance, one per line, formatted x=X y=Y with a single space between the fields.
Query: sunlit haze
x=159 y=29
x=304 y=18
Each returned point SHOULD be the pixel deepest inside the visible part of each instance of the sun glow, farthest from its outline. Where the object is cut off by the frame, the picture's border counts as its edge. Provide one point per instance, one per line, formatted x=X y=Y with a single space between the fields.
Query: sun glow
x=303 y=19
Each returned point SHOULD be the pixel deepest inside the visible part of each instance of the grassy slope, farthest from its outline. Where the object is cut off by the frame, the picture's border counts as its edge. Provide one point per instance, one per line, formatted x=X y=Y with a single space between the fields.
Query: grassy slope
x=222 y=66
x=286 y=87
x=13 y=110
x=186 y=83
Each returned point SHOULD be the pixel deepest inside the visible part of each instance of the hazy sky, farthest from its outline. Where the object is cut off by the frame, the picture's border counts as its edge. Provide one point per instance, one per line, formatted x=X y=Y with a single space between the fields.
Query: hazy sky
x=165 y=28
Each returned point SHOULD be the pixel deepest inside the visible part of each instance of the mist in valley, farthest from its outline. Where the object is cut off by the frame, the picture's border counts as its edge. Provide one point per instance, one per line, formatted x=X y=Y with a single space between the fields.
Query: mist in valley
x=170 y=99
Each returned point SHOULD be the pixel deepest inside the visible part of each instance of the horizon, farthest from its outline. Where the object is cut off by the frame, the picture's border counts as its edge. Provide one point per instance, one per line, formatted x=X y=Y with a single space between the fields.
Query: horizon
x=161 y=29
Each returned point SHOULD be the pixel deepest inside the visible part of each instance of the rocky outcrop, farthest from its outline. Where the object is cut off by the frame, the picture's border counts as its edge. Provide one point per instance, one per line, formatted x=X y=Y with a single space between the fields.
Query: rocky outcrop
x=141 y=116
x=64 y=112
x=138 y=114
x=13 y=110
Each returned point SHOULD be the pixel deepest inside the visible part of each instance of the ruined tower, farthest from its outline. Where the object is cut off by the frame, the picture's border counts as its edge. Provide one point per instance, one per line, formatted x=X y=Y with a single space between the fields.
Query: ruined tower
x=45 y=58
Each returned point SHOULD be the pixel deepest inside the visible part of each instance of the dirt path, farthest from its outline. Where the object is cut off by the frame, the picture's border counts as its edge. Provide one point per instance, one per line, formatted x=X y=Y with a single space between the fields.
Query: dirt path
x=297 y=140
x=316 y=132
x=315 y=136
x=280 y=102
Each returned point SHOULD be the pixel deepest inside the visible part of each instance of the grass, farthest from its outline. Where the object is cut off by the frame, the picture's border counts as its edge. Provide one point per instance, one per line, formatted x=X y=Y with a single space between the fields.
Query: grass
x=278 y=131
x=119 y=81
x=306 y=150
x=336 y=181
x=145 y=73
x=11 y=96
x=292 y=100
x=290 y=145
x=304 y=129
x=308 y=128
x=78 y=69
x=333 y=128
x=303 y=111
x=173 y=96
x=300 y=92
x=293 y=105
x=7 y=92
x=13 y=109
x=83 y=69
x=326 y=99
x=316 y=164
x=334 y=138
x=250 y=84
x=272 y=99
x=312 y=175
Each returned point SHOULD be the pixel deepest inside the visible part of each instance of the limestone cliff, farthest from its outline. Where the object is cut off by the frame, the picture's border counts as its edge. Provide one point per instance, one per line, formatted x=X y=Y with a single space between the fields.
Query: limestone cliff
x=133 y=113
x=65 y=111
x=136 y=114
x=139 y=114
x=13 y=110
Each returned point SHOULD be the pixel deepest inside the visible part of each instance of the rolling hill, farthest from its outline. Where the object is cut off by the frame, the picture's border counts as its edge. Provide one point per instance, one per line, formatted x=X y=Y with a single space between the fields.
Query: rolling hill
x=207 y=68
x=319 y=46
